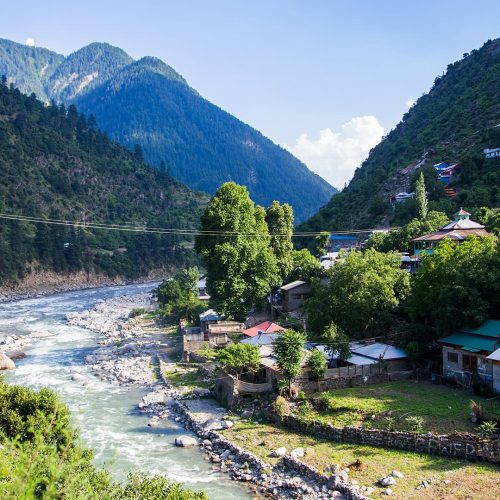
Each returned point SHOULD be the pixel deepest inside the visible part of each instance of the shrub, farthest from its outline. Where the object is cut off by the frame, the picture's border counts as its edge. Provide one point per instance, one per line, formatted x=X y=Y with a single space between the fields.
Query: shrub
x=390 y=424
x=317 y=364
x=137 y=311
x=487 y=428
x=281 y=407
x=415 y=423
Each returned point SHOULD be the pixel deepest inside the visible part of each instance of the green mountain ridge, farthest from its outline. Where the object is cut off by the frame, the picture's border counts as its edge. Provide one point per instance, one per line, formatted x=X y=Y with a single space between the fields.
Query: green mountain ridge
x=147 y=102
x=55 y=164
x=453 y=122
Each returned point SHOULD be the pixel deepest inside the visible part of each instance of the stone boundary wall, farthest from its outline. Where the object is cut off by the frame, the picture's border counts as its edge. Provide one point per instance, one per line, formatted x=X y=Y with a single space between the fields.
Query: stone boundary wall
x=349 y=491
x=467 y=447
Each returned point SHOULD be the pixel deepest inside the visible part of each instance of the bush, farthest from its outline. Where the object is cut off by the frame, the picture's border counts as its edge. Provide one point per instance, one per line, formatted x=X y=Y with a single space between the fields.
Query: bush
x=25 y=413
x=281 y=407
x=415 y=424
x=390 y=424
x=487 y=429
x=317 y=364
x=137 y=311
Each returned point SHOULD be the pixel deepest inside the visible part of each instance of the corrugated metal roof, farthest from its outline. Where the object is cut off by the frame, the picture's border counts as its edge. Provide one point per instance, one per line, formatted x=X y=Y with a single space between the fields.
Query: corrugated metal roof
x=264 y=339
x=361 y=360
x=495 y=355
x=292 y=285
x=465 y=340
x=266 y=327
x=377 y=349
x=210 y=315
x=490 y=328
x=462 y=224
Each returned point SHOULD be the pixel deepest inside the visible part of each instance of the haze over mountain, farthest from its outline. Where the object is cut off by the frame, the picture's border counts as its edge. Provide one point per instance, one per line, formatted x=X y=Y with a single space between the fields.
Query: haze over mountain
x=147 y=102
x=453 y=122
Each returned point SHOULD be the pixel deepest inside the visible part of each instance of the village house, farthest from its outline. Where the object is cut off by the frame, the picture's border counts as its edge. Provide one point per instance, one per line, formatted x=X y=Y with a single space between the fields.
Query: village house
x=458 y=230
x=491 y=153
x=338 y=242
x=403 y=196
x=494 y=358
x=266 y=327
x=468 y=351
x=292 y=295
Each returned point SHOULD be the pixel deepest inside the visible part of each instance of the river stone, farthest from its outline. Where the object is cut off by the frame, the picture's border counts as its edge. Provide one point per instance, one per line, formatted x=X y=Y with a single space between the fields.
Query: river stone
x=6 y=363
x=278 y=452
x=297 y=453
x=202 y=392
x=387 y=481
x=212 y=425
x=227 y=424
x=387 y=492
x=14 y=355
x=185 y=441
x=396 y=473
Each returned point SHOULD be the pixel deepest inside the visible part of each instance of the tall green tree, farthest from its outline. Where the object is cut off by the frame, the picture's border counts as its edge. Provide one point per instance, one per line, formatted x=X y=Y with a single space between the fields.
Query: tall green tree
x=234 y=246
x=316 y=364
x=458 y=285
x=288 y=349
x=239 y=358
x=336 y=341
x=363 y=290
x=421 y=197
x=279 y=219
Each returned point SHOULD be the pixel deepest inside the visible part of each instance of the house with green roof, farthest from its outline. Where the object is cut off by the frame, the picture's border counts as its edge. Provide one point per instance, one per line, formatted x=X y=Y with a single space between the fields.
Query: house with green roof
x=466 y=352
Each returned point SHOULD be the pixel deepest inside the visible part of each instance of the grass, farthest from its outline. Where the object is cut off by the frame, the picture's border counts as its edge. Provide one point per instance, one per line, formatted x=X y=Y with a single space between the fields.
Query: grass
x=463 y=479
x=187 y=378
x=444 y=409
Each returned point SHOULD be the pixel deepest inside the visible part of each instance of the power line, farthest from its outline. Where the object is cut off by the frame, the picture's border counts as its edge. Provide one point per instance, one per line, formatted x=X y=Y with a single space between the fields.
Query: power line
x=173 y=231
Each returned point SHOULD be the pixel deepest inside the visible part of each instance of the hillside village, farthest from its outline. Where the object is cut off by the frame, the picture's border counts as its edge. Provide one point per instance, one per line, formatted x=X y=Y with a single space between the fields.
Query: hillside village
x=311 y=356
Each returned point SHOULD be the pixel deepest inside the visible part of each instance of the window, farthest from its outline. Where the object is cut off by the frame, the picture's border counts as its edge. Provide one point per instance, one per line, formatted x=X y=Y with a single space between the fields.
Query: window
x=469 y=362
x=453 y=357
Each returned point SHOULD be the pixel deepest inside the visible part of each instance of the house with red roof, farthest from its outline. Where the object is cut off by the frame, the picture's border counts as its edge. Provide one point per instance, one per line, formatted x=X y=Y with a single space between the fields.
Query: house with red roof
x=262 y=328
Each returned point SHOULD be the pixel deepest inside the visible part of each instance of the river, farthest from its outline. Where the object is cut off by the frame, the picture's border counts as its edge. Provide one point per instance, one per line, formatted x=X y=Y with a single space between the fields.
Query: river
x=106 y=414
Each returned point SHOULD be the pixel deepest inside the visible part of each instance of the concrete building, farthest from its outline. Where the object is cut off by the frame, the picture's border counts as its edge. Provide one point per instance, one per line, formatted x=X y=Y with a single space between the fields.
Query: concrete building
x=293 y=295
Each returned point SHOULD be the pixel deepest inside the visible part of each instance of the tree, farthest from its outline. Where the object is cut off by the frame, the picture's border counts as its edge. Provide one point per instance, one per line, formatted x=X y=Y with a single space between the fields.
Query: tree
x=363 y=291
x=305 y=266
x=234 y=246
x=320 y=243
x=458 y=285
x=178 y=296
x=336 y=342
x=239 y=358
x=279 y=219
x=401 y=239
x=288 y=349
x=317 y=364
x=421 y=197
x=138 y=153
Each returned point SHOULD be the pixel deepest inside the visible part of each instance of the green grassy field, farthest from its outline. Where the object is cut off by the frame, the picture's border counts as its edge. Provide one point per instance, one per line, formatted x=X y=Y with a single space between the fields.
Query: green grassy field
x=449 y=479
x=443 y=409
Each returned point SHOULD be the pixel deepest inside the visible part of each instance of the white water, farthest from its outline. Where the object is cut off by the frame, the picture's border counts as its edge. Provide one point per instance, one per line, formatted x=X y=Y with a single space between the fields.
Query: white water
x=106 y=414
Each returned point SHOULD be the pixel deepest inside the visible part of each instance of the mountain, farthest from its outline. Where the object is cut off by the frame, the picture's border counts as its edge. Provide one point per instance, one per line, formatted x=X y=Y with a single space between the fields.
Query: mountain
x=453 y=122
x=146 y=102
x=55 y=164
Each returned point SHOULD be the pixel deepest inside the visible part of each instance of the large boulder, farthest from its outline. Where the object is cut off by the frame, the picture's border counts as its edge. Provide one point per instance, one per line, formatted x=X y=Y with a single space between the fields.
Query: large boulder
x=6 y=363
x=14 y=355
x=185 y=441
x=278 y=452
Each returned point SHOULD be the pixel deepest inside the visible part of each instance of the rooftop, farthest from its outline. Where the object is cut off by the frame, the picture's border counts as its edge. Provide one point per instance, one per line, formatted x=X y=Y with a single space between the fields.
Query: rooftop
x=266 y=327
x=293 y=284
x=484 y=338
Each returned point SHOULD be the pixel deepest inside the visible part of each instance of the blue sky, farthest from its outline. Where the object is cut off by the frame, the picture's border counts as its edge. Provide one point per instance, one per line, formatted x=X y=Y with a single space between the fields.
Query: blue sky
x=291 y=69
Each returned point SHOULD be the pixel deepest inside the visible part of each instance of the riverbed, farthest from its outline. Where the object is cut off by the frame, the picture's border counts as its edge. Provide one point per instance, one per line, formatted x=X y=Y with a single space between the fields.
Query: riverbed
x=105 y=413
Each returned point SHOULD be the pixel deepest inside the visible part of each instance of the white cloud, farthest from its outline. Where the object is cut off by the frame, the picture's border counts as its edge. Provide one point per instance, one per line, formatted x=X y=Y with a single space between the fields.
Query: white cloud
x=335 y=155
x=410 y=102
x=30 y=42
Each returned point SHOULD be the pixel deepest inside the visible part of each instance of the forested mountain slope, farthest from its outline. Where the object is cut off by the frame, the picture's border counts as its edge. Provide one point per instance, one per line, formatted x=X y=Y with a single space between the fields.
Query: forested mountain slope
x=453 y=122
x=55 y=164
x=147 y=102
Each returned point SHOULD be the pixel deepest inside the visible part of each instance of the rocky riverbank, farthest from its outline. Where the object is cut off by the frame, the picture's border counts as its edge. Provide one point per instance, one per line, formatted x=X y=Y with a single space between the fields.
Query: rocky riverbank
x=39 y=284
x=127 y=353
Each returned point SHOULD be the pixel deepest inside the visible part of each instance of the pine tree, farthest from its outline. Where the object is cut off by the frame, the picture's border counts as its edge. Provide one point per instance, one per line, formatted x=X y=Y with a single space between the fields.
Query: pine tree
x=421 y=197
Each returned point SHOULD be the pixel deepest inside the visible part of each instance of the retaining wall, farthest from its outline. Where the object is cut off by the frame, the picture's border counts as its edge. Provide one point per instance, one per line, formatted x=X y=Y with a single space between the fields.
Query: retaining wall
x=462 y=446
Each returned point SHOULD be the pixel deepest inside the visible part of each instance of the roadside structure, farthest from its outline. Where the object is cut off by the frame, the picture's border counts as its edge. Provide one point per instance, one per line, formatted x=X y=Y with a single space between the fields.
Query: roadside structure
x=458 y=230
x=293 y=295
x=469 y=351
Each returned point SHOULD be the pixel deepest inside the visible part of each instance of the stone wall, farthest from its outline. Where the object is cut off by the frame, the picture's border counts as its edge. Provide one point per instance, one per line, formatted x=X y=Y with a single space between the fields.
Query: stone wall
x=461 y=445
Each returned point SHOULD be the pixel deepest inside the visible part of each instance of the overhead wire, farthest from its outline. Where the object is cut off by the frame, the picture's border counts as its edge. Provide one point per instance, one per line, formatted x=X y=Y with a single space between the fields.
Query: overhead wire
x=141 y=228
